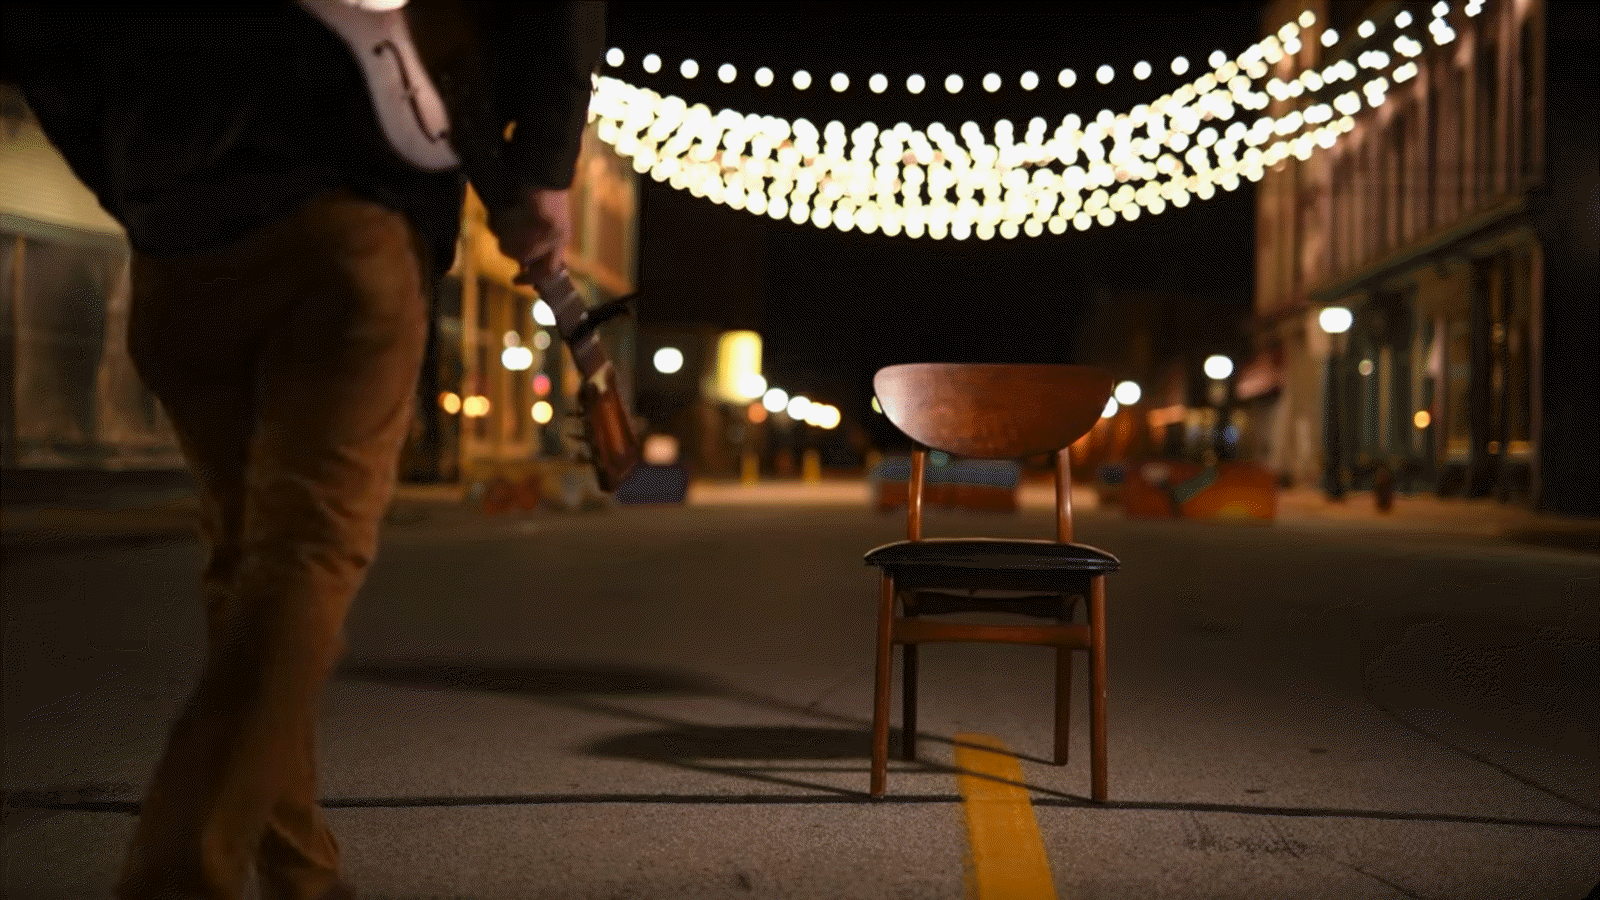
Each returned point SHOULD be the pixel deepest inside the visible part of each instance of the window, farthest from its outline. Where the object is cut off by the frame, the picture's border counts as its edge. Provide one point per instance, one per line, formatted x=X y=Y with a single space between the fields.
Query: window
x=1487 y=120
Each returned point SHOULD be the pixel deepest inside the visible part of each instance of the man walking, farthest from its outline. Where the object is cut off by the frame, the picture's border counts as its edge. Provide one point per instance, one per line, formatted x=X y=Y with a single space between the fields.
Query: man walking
x=282 y=260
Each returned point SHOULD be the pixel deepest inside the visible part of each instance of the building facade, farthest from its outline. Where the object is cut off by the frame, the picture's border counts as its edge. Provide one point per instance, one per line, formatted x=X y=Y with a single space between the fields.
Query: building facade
x=498 y=390
x=1456 y=223
x=69 y=397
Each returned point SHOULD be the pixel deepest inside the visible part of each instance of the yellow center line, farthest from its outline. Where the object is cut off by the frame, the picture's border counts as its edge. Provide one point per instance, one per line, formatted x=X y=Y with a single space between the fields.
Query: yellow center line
x=1008 y=858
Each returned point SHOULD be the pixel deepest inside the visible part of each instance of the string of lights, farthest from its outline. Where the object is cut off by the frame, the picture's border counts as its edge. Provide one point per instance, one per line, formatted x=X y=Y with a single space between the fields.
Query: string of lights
x=934 y=182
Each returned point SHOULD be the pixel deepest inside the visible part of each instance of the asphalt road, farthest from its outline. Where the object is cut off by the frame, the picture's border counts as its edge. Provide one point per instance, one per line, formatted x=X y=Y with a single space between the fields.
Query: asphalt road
x=675 y=702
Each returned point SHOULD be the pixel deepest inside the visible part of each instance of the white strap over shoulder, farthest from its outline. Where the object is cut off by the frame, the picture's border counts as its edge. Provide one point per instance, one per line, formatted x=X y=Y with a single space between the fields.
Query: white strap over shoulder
x=409 y=109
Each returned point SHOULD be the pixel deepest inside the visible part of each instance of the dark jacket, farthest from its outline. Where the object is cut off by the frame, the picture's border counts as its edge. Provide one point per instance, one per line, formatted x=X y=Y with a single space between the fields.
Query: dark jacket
x=196 y=122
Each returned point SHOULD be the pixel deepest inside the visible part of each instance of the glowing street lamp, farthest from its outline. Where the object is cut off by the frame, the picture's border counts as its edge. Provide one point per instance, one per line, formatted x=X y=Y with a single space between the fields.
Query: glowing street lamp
x=1218 y=368
x=517 y=359
x=1335 y=321
x=668 y=360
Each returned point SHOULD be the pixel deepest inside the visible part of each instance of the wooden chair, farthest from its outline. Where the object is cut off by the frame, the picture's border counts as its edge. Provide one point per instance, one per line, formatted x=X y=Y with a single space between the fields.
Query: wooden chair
x=992 y=411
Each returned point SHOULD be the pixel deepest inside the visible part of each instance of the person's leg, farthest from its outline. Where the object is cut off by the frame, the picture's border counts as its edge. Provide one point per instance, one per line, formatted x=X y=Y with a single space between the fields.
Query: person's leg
x=325 y=312
x=337 y=384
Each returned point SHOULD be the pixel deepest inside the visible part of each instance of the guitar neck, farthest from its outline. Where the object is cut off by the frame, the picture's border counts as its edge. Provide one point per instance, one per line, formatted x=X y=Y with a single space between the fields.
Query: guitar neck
x=572 y=314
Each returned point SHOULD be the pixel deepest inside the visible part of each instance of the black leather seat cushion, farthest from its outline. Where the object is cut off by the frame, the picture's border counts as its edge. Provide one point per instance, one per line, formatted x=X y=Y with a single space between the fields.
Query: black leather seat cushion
x=993 y=554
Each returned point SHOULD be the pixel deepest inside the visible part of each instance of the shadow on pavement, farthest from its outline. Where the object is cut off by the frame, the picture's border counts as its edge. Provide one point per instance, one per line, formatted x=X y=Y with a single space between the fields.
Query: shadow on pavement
x=730 y=750
x=729 y=742
x=720 y=750
x=535 y=680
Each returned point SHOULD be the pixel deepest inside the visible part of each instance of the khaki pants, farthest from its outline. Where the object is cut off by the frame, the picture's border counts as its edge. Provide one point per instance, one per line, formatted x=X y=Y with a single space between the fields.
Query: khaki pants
x=287 y=363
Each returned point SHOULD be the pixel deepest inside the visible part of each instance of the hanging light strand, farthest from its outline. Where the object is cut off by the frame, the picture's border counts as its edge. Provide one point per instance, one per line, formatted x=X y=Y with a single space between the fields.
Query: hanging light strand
x=986 y=182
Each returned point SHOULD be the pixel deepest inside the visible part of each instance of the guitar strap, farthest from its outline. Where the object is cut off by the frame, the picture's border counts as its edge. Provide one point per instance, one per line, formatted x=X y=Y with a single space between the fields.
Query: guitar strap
x=410 y=111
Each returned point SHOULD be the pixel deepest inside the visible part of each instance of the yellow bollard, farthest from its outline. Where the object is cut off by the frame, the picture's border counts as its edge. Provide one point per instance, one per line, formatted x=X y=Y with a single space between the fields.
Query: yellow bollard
x=811 y=467
x=749 y=468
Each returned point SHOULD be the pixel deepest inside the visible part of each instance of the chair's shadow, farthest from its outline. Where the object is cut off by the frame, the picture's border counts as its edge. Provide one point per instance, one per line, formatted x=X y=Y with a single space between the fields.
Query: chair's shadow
x=770 y=754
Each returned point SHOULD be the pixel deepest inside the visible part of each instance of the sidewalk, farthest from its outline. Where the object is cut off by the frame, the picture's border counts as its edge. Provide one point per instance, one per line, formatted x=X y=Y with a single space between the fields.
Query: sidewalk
x=1482 y=517
x=163 y=508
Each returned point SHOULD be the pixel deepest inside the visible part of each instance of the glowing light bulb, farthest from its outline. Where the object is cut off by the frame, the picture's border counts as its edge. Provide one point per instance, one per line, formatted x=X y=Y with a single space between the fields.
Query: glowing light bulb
x=1218 y=366
x=802 y=79
x=1180 y=65
x=878 y=83
x=689 y=68
x=952 y=83
x=915 y=84
x=543 y=314
x=1366 y=29
x=1217 y=58
x=764 y=77
x=651 y=63
x=991 y=82
x=1104 y=74
x=1067 y=78
x=839 y=82
x=1029 y=80
x=668 y=360
x=726 y=73
x=1141 y=70
x=614 y=57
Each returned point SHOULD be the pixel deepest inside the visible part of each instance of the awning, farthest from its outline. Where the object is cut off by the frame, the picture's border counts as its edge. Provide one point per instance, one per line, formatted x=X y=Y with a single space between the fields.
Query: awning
x=1262 y=375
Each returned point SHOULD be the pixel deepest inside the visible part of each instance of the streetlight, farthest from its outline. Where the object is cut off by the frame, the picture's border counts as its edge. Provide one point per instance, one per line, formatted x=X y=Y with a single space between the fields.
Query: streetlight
x=1218 y=368
x=668 y=360
x=1334 y=321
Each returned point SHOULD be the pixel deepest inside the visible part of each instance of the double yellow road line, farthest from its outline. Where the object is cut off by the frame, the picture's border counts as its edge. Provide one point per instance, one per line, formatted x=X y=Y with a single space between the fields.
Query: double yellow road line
x=1008 y=858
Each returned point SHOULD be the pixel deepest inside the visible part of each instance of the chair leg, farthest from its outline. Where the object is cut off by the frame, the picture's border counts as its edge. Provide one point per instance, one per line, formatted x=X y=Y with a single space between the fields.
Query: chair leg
x=880 y=703
x=1063 y=702
x=908 y=696
x=1097 y=689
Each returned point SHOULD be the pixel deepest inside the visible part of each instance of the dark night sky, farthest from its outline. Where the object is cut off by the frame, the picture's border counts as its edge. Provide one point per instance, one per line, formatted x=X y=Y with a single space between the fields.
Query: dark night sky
x=832 y=306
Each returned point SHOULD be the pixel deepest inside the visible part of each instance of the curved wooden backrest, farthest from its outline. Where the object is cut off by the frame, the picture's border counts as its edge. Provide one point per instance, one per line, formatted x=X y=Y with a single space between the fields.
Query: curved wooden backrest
x=993 y=410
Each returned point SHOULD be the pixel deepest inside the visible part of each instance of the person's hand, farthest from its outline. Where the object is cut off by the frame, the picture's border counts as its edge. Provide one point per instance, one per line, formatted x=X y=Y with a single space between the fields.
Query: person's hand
x=534 y=232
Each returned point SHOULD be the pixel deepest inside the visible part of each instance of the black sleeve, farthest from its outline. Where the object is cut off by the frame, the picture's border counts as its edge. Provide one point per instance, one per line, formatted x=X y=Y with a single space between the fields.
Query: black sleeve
x=543 y=57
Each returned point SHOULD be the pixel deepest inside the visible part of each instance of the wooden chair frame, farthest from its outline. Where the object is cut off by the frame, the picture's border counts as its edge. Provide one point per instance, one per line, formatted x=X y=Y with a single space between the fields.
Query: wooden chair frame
x=953 y=408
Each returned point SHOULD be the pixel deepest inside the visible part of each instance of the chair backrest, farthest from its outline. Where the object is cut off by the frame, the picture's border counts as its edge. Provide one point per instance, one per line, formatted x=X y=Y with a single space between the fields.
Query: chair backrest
x=992 y=411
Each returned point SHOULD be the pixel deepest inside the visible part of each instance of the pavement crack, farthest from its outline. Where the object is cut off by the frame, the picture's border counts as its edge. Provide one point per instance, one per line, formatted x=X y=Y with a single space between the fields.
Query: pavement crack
x=1398 y=888
x=1480 y=758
